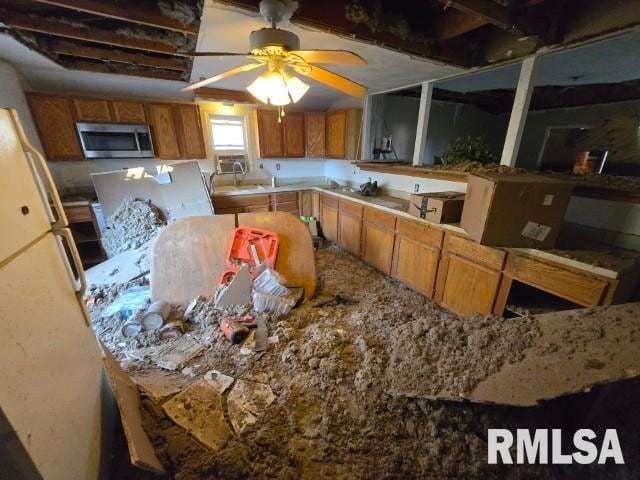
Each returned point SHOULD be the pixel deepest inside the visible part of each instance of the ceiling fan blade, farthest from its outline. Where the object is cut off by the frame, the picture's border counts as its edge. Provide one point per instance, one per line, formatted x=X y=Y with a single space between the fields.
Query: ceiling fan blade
x=216 y=54
x=333 y=80
x=223 y=75
x=338 y=57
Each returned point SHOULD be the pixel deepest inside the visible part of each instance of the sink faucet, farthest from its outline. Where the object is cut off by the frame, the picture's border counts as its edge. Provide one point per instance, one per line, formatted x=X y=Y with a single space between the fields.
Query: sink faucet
x=242 y=170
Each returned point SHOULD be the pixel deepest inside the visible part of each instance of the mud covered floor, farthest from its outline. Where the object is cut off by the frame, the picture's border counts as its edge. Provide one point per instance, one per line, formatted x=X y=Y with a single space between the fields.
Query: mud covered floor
x=348 y=382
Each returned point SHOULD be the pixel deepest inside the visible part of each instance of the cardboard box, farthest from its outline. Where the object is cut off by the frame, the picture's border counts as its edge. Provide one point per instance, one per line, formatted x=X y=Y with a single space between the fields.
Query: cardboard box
x=522 y=210
x=437 y=207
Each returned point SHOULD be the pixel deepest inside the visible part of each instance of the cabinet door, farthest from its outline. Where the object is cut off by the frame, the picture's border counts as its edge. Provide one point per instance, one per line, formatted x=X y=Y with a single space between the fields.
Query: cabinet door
x=55 y=125
x=293 y=124
x=190 y=135
x=270 y=134
x=349 y=233
x=377 y=246
x=91 y=110
x=129 y=112
x=415 y=264
x=315 y=204
x=336 y=134
x=468 y=287
x=163 y=129
x=315 y=134
x=330 y=222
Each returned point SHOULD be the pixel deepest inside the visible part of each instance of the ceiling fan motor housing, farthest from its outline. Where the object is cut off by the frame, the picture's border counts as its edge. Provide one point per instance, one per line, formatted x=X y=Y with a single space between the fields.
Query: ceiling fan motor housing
x=273 y=37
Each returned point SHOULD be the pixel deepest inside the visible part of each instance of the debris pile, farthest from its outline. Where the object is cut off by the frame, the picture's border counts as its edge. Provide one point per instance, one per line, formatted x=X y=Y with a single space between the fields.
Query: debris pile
x=133 y=224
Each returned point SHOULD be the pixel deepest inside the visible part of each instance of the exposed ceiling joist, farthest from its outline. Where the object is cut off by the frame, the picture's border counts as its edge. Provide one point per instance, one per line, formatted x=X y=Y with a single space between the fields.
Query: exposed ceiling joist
x=454 y=23
x=488 y=10
x=222 y=95
x=62 y=47
x=102 y=67
x=58 y=28
x=151 y=17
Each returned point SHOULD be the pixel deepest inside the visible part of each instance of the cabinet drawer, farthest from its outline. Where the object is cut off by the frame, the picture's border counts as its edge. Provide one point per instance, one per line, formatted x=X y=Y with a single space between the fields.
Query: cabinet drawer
x=382 y=219
x=225 y=201
x=291 y=207
x=330 y=201
x=491 y=257
x=351 y=208
x=420 y=232
x=576 y=287
x=283 y=197
x=80 y=213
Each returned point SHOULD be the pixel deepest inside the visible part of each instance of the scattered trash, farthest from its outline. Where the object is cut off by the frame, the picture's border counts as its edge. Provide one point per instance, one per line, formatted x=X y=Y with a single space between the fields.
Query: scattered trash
x=173 y=355
x=261 y=334
x=237 y=329
x=199 y=410
x=156 y=384
x=336 y=300
x=237 y=292
x=131 y=329
x=270 y=282
x=247 y=401
x=219 y=381
x=273 y=304
x=171 y=330
x=156 y=315
x=128 y=302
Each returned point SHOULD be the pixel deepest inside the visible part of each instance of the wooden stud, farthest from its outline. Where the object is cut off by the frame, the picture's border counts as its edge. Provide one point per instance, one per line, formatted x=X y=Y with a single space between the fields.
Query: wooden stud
x=454 y=23
x=222 y=95
x=526 y=84
x=121 y=70
x=488 y=10
x=127 y=13
x=423 y=122
x=34 y=23
x=62 y=47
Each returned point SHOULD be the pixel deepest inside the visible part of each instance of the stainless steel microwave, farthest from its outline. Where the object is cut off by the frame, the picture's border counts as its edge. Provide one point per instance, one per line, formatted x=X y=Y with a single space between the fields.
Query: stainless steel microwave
x=107 y=140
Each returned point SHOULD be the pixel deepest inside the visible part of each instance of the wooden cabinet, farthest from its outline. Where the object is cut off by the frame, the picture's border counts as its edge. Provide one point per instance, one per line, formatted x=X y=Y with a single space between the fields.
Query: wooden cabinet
x=378 y=235
x=315 y=204
x=343 y=133
x=270 y=134
x=128 y=112
x=241 y=203
x=54 y=121
x=286 y=202
x=350 y=226
x=91 y=110
x=163 y=131
x=293 y=131
x=469 y=276
x=315 y=134
x=189 y=131
x=416 y=255
x=329 y=217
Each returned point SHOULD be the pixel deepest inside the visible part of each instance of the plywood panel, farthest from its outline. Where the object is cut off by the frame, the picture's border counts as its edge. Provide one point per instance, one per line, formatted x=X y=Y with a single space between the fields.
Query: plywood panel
x=189 y=257
x=296 y=257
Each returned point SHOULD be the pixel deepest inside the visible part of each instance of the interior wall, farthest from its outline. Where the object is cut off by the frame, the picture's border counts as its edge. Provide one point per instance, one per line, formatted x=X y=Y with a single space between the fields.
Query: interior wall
x=592 y=115
x=12 y=96
x=448 y=121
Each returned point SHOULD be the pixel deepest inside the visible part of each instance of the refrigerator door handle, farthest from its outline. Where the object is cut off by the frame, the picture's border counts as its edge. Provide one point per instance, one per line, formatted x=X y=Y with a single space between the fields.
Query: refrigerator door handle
x=42 y=168
x=79 y=283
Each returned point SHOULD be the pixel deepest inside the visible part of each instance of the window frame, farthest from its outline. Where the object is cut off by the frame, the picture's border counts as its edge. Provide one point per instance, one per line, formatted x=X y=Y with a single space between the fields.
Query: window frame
x=245 y=137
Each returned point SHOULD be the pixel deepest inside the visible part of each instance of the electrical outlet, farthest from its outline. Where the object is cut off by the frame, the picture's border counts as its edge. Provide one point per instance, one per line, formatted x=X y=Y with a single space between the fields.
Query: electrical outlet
x=416 y=188
x=277 y=166
x=261 y=165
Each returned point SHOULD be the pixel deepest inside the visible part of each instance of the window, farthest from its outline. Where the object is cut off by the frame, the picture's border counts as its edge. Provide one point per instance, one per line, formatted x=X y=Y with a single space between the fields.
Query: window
x=228 y=133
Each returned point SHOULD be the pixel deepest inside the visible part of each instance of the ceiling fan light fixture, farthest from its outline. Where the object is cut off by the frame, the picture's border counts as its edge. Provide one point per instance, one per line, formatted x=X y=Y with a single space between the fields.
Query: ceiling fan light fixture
x=297 y=88
x=277 y=88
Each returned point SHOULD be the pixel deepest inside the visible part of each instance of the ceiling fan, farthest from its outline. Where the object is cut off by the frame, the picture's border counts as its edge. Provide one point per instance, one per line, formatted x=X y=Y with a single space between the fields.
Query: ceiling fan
x=278 y=51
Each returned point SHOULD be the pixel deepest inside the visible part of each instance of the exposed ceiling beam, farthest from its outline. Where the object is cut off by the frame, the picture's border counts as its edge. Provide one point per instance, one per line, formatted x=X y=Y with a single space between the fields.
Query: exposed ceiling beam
x=488 y=10
x=222 y=95
x=34 y=23
x=62 y=47
x=454 y=23
x=133 y=13
x=102 y=67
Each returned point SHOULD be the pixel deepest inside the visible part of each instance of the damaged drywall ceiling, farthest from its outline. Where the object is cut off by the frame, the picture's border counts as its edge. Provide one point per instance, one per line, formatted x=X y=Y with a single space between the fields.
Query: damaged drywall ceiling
x=227 y=29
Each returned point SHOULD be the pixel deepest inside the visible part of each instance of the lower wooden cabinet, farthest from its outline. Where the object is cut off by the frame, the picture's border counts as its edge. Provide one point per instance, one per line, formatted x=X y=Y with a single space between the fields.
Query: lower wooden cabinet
x=378 y=235
x=329 y=217
x=350 y=226
x=469 y=276
x=415 y=264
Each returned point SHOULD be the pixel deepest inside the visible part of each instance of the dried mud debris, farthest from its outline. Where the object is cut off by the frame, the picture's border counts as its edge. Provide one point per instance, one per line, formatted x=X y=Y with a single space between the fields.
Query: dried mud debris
x=133 y=224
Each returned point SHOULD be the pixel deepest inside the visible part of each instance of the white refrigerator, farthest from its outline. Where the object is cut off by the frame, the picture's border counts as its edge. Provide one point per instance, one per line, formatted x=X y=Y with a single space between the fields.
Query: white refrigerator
x=50 y=364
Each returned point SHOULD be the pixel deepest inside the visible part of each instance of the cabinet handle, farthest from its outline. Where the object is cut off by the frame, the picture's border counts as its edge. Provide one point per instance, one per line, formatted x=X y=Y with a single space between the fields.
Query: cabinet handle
x=79 y=283
x=41 y=168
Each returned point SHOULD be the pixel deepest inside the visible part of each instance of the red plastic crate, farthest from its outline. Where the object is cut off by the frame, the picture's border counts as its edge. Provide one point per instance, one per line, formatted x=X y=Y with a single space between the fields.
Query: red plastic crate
x=266 y=244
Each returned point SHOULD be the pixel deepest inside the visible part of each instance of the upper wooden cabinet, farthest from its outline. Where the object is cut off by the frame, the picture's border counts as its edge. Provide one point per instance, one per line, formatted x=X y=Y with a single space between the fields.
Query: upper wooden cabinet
x=293 y=131
x=270 y=134
x=129 y=112
x=189 y=127
x=315 y=134
x=91 y=110
x=343 y=133
x=54 y=120
x=164 y=131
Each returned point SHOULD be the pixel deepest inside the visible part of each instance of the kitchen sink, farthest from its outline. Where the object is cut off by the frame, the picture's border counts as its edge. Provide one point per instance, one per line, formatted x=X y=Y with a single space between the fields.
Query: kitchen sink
x=239 y=188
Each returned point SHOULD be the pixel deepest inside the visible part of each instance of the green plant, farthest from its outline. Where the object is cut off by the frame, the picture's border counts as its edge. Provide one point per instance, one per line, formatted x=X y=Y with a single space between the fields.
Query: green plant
x=472 y=149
